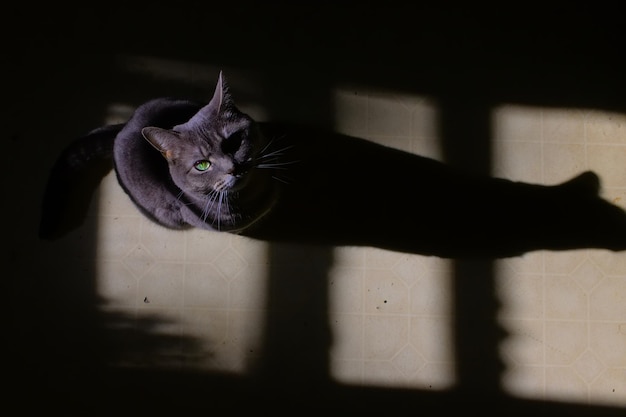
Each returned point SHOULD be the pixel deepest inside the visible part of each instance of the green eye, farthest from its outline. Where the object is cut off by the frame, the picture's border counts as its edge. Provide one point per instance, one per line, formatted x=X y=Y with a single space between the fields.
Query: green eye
x=202 y=165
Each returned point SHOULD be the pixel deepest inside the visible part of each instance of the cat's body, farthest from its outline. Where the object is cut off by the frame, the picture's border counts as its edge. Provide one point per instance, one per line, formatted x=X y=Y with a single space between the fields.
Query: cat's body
x=145 y=176
x=186 y=164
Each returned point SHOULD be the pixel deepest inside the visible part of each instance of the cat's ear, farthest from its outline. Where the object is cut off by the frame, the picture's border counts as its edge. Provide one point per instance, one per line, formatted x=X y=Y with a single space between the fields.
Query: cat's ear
x=221 y=97
x=162 y=140
x=221 y=103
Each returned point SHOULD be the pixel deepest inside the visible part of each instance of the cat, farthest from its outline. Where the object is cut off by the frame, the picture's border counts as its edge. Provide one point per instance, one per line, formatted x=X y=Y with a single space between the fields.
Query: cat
x=183 y=164
x=211 y=166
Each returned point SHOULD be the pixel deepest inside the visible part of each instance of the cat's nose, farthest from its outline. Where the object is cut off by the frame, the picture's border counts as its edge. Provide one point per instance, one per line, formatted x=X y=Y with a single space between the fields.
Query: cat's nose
x=237 y=172
x=228 y=166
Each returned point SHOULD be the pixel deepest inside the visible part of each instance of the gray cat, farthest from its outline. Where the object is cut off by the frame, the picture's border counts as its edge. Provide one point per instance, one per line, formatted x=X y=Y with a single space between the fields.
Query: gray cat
x=214 y=154
x=208 y=171
x=210 y=166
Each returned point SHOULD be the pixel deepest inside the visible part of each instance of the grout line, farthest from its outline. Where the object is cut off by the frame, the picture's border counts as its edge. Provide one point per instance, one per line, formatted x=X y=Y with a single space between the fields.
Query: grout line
x=363 y=315
x=543 y=265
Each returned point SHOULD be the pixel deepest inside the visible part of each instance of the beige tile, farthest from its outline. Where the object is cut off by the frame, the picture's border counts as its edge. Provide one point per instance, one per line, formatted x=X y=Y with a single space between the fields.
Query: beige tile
x=522 y=295
x=609 y=263
x=206 y=287
x=384 y=336
x=607 y=301
x=608 y=388
x=350 y=256
x=529 y=263
x=163 y=244
x=351 y=107
x=435 y=376
x=381 y=259
x=608 y=162
x=139 y=261
x=248 y=289
x=162 y=286
x=563 y=125
x=409 y=269
x=562 y=161
x=385 y=293
x=112 y=201
x=517 y=123
x=408 y=361
x=565 y=341
x=432 y=338
x=117 y=286
x=117 y=236
x=382 y=373
x=604 y=127
x=564 y=262
x=388 y=116
x=346 y=290
x=424 y=119
x=431 y=295
x=588 y=366
x=564 y=299
x=249 y=250
x=427 y=147
x=347 y=371
x=205 y=246
x=587 y=276
x=525 y=381
x=564 y=384
x=519 y=161
x=524 y=345
x=348 y=340
x=230 y=263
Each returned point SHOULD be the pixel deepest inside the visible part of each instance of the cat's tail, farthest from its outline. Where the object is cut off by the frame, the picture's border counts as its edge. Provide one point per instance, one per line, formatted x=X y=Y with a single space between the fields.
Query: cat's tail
x=73 y=178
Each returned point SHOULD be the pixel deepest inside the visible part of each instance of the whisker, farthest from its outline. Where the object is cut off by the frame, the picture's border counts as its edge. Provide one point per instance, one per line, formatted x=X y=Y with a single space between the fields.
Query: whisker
x=277 y=152
x=278 y=165
x=219 y=210
x=267 y=145
x=284 y=181
x=205 y=210
x=211 y=198
x=271 y=142
x=225 y=207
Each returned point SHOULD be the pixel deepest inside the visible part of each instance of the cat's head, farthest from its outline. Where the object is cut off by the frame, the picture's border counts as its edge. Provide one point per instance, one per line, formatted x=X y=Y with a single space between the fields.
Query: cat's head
x=214 y=151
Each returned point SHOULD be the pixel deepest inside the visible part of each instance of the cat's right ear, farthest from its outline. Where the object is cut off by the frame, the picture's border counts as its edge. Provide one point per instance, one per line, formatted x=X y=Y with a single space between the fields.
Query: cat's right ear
x=161 y=139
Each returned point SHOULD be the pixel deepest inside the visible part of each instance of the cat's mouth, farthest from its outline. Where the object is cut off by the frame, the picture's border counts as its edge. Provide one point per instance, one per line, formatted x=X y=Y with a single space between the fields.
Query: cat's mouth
x=228 y=182
x=232 y=182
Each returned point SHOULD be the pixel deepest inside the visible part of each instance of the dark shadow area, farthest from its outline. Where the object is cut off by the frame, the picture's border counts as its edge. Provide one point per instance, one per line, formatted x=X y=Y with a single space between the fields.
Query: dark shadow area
x=346 y=191
x=61 y=347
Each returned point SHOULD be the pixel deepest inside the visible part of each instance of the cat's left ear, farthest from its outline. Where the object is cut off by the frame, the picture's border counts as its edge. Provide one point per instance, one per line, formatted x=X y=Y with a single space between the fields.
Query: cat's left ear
x=221 y=98
x=219 y=104
x=162 y=140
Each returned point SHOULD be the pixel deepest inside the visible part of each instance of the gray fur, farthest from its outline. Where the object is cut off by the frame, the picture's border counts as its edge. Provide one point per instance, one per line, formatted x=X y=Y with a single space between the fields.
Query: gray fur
x=155 y=154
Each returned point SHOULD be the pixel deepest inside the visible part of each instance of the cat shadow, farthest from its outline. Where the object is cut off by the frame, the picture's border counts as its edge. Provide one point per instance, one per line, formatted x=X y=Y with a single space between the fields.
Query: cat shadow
x=338 y=190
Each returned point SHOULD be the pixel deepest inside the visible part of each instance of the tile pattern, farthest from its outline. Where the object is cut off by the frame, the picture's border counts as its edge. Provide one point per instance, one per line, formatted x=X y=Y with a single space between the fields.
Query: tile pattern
x=390 y=314
x=565 y=311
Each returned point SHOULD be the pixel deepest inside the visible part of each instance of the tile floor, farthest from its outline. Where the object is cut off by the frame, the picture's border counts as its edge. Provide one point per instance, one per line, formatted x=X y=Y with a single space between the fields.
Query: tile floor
x=390 y=313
